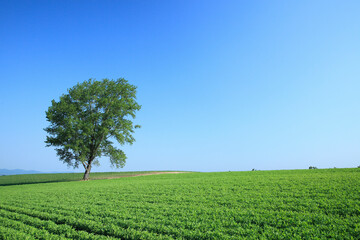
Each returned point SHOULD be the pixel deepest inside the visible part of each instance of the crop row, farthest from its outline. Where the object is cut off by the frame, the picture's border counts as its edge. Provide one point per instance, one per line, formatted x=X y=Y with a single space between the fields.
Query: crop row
x=286 y=204
x=93 y=224
x=246 y=225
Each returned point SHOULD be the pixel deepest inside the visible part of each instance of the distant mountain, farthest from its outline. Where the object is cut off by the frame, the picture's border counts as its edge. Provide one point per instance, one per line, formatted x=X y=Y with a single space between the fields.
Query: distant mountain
x=16 y=171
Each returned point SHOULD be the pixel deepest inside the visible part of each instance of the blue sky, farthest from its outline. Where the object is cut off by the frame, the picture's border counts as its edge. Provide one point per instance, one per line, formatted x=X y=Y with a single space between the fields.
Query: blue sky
x=224 y=85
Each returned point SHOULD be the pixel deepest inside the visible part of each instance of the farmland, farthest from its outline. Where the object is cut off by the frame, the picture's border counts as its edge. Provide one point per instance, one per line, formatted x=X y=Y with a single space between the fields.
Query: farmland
x=286 y=204
x=63 y=177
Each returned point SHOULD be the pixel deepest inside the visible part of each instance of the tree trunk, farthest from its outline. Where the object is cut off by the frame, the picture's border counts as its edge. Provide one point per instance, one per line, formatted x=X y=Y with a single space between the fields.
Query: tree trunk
x=87 y=173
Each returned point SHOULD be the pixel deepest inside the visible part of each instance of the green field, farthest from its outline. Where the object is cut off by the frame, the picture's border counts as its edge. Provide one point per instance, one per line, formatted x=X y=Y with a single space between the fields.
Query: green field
x=287 y=204
x=62 y=177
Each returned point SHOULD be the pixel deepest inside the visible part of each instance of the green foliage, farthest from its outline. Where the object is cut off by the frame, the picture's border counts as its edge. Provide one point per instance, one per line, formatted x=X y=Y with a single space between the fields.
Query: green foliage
x=85 y=122
x=296 y=204
x=61 y=177
x=312 y=167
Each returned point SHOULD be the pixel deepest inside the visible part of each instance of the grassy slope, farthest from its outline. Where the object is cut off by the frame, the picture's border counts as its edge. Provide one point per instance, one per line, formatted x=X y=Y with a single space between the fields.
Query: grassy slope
x=296 y=204
x=60 y=177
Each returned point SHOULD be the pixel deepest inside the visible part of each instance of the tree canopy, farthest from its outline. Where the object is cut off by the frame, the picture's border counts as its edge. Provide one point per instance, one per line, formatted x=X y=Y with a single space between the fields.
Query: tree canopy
x=85 y=122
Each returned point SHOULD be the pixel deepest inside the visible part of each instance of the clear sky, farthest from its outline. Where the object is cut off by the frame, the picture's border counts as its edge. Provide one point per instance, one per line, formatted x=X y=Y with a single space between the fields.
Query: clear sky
x=224 y=85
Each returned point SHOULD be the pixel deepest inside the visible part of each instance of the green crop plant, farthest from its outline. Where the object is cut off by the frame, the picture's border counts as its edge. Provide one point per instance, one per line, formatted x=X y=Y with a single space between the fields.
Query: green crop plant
x=293 y=204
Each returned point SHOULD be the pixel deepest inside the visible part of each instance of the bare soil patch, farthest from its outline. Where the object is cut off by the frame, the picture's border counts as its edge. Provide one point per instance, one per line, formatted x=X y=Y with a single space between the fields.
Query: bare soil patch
x=142 y=174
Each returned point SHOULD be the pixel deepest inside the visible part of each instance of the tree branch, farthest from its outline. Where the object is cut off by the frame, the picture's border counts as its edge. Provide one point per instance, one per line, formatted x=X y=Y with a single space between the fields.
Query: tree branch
x=83 y=164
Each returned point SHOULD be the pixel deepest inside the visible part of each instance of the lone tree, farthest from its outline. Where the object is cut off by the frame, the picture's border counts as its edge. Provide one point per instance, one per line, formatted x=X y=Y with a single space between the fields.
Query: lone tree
x=86 y=121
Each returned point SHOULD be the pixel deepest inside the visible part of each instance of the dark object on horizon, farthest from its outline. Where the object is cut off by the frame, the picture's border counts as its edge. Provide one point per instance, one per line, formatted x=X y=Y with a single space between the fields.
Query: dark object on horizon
x=312 y=167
